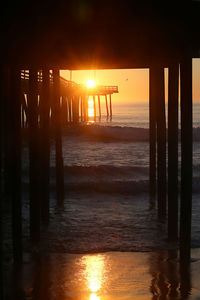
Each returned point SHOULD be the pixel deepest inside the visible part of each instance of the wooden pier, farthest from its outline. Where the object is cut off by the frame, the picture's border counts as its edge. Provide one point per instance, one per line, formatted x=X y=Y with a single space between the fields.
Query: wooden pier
x=41 y=40
x=73 y=98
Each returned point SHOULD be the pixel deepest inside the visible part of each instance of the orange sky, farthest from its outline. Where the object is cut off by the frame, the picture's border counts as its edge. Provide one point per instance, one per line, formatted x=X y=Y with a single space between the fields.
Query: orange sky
x=133 y=83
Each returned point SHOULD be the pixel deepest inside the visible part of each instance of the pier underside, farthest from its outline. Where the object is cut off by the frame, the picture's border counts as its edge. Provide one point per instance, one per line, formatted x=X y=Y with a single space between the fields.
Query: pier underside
x=101 y=34
x=40 y=37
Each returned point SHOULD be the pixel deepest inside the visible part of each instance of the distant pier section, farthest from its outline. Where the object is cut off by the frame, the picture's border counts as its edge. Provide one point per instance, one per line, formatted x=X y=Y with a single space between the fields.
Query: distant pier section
x=73 y=98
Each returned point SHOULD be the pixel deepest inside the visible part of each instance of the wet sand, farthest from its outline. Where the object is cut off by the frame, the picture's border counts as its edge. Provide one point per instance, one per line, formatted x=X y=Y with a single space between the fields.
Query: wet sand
x=107 y=276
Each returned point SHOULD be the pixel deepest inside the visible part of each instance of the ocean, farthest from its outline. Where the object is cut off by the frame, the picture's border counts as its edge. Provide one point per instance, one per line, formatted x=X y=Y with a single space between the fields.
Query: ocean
x=107 y=205
x=106 y=242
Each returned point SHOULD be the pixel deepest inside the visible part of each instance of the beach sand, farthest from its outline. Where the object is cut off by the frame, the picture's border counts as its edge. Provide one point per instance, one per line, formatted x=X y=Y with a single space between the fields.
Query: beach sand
x=107 y=276
x=50 y=272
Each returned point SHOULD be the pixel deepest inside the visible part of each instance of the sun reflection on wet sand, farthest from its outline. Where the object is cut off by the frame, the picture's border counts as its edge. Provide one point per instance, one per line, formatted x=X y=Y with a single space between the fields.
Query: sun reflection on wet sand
x=114 y=276
x=93 y=296
x=94 y=274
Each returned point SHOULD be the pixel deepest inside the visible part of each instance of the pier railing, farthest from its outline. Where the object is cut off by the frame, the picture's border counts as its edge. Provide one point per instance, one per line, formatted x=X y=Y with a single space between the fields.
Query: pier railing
x=73 y=97
x=72 y=86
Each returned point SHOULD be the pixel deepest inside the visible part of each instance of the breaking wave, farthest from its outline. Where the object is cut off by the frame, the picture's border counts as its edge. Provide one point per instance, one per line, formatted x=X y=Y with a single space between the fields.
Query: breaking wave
x=117 y=133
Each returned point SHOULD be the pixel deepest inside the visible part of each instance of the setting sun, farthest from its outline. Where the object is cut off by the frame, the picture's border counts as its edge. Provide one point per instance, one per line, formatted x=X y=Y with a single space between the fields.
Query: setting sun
x=90 y=83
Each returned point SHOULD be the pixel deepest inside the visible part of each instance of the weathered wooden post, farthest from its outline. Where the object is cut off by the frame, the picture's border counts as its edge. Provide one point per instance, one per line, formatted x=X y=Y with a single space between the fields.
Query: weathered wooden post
x=1 y=211
x=107 y=106
x=173 y=79
x=6 y=134
x=158 y=133
x=81 y=107
x=94 y=103
x=70 y=108
x=1 y=250
x=1 y=245
x=22 y=113
x=152 y=132
x=172 y=273
x=75 y=107
x=45 y=145
x=58 y=138
x=185 y=279
x=64 y=110
x=110 y=106
x=34 y=156
x=84 y=108
x=15 y=143
x=25 y=110
x=186 y=157
x=99 y=102
x=86 y=105
x=161 y=140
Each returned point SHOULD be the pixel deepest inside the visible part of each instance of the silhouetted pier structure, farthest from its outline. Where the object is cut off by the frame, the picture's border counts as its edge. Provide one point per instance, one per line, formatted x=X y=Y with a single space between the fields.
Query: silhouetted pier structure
x=65 y=36
x=73 y=98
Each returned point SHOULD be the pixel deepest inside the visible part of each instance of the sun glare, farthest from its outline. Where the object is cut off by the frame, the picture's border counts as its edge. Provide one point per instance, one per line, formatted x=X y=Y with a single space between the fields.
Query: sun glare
x=90 y=83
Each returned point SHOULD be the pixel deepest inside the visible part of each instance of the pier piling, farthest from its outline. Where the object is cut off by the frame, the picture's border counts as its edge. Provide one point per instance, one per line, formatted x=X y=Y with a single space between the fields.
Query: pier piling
x=34 y=156
x=24 y=111
x=64 y=110
x=173 y=80
x=58 y=138
x=186 y=157
x=86 y=104
x=158 y=138
x=15 y=163
x=161 y=141
x=107 y=111
x=85 y=108
x=99 y=103
x=1 y=198
x=45 y=145
x=7 y=133
x=1 y=252
x=152 y=133
x=94 y=103
x=110 y=106
x=75 y=108
x=81 y=108
x=69 y=100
